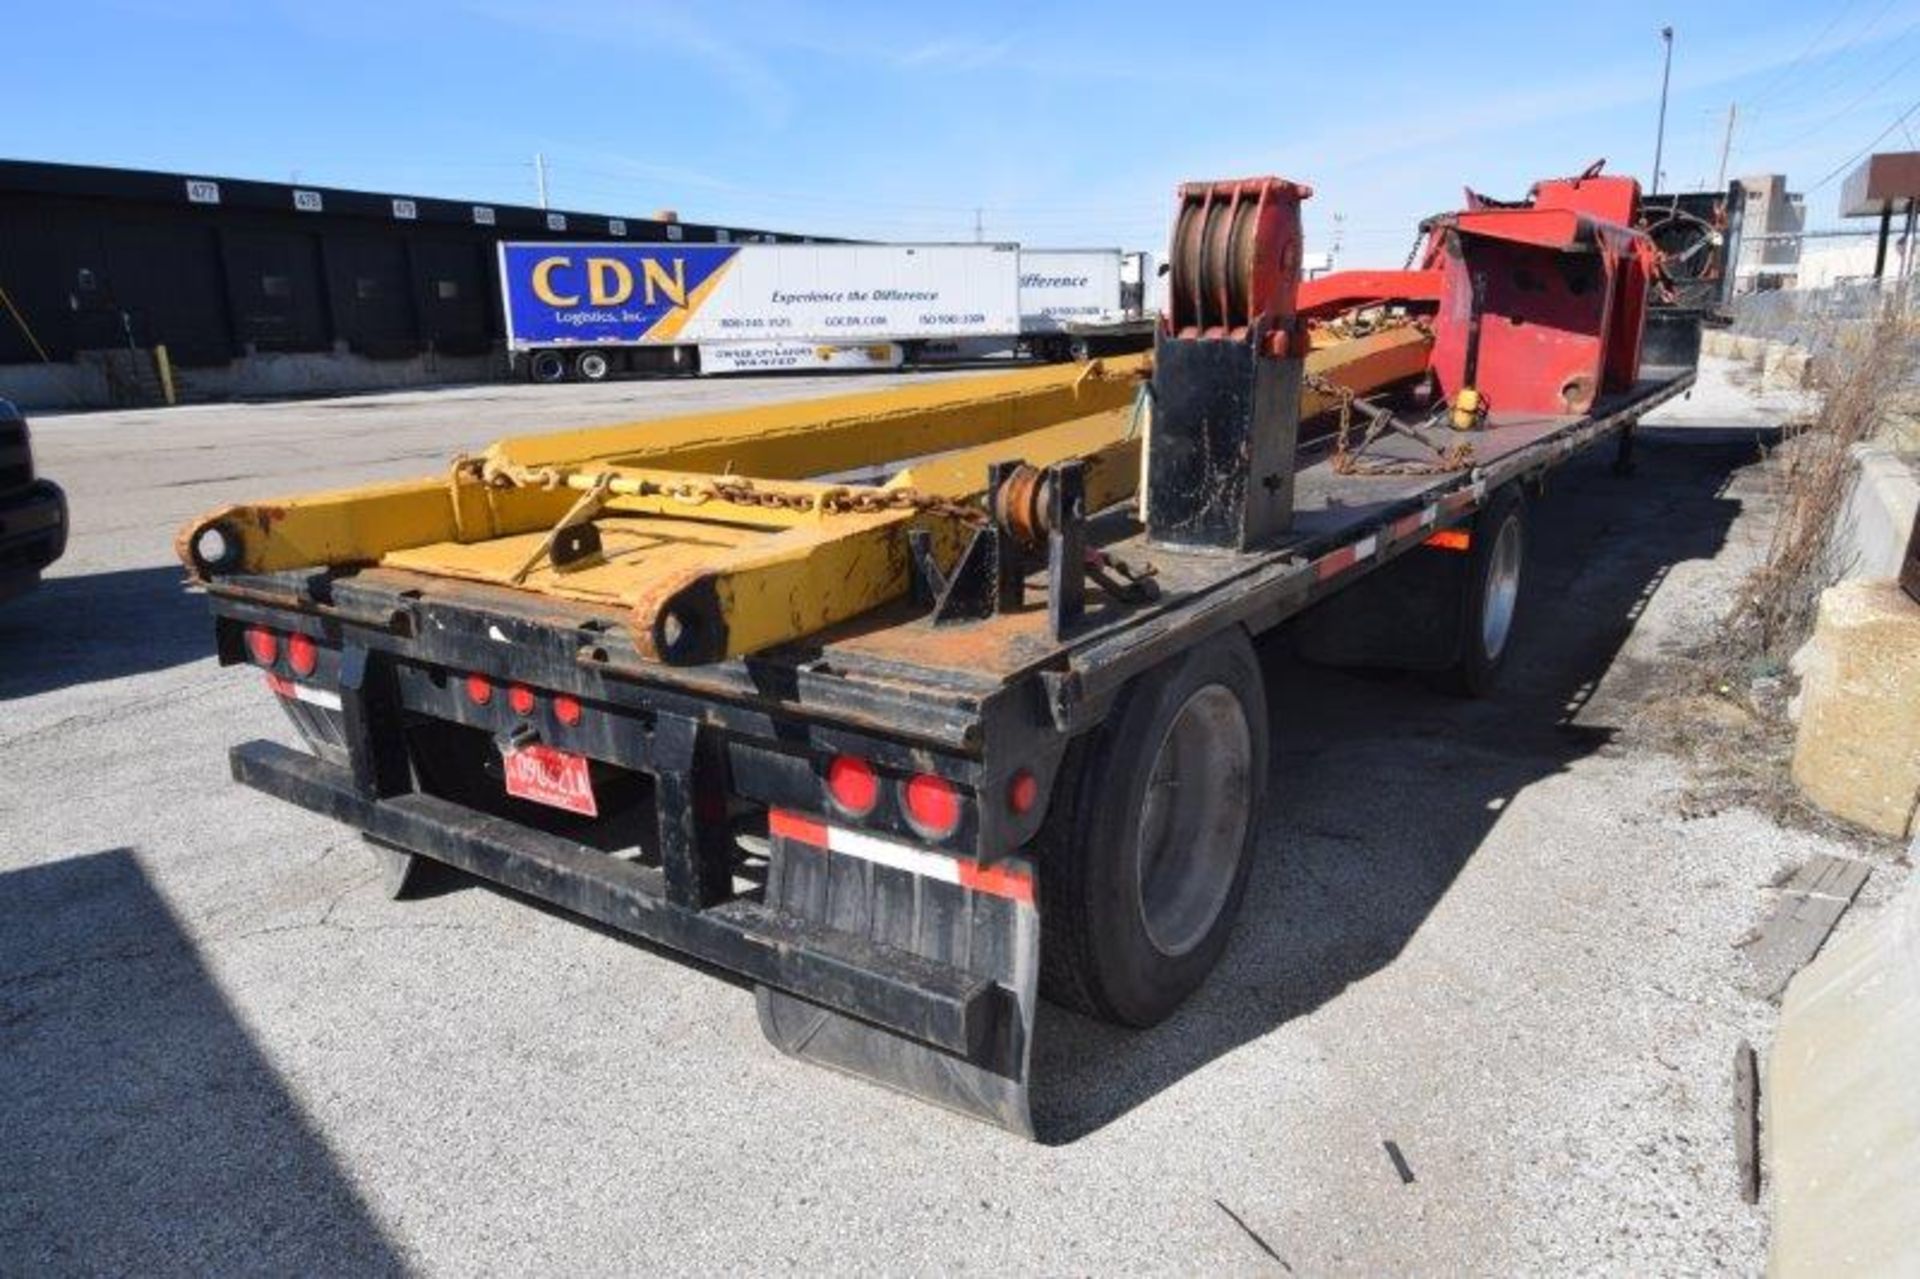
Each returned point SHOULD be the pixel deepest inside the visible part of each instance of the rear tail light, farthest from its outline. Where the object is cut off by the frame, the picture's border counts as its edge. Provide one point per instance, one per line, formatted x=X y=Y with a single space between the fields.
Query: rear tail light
x=263 y=645
x=1023 y=792
x=302 y=655
x=520 y=697
x=479 y=690
x=852 y=785
x=566 y=710
x=932 y=804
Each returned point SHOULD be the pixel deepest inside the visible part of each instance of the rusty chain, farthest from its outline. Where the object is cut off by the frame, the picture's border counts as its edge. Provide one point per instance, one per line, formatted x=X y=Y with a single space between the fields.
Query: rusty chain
x=1350 y=458
x=736 y=491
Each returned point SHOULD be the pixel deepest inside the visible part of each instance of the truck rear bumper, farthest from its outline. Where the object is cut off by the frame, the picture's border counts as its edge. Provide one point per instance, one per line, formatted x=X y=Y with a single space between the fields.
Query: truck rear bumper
x=922 y=1000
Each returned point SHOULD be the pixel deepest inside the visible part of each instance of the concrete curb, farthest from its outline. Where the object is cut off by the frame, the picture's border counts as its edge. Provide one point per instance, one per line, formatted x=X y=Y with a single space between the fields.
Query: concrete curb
x=1843 y=1114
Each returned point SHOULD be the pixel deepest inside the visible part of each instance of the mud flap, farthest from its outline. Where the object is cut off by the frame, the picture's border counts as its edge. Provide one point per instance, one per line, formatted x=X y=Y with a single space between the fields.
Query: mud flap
x=979 y=920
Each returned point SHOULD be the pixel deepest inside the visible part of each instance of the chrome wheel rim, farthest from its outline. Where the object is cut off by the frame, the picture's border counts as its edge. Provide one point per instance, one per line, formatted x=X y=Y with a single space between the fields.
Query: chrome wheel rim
x=1193 y=821
x=1503 y=590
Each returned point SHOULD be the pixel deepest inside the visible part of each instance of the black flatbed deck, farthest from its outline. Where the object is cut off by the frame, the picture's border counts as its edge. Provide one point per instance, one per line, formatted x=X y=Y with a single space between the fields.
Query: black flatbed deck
x=892 y=673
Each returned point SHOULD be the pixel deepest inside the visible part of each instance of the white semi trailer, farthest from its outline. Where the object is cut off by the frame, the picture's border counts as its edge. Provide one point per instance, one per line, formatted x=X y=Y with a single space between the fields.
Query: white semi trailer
x=590 y=310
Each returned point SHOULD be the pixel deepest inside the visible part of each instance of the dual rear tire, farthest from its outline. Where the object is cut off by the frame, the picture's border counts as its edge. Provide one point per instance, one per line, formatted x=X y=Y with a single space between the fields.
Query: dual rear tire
x=1149 y=842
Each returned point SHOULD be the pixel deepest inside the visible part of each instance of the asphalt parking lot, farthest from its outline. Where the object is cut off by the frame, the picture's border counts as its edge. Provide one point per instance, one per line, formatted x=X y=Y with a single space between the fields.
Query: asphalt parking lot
x=1479 y=931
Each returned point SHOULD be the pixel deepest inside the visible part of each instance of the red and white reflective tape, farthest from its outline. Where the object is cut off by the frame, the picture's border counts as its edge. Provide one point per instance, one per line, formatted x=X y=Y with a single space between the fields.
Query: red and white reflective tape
x=1334 y=563
x=304 y=693
x=1409 y=525
x=1013 y=882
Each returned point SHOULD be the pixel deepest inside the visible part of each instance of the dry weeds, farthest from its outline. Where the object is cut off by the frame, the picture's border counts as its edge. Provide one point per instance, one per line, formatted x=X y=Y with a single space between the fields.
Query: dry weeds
x=1724 y=707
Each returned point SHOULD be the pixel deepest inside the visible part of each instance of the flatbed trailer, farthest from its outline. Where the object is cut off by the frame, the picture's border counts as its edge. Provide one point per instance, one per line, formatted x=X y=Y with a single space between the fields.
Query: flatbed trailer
x=1051 y=716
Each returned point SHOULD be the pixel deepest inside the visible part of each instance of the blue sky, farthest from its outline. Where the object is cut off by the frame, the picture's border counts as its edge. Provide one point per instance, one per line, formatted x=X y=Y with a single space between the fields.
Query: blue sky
x=1062 y=124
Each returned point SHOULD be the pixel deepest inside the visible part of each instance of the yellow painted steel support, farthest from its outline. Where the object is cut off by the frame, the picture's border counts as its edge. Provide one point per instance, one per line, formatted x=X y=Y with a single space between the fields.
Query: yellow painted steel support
x=779 y=441
x=846 y=432
x=1364 y=365
x=707 y=570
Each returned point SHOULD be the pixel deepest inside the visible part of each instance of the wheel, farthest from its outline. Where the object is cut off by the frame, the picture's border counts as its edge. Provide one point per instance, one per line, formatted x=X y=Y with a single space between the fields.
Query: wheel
x=547 y=366
x=1491 y=605
x=402 y=874
x=1080 y=350
x=1147 y=848
x=592 y=366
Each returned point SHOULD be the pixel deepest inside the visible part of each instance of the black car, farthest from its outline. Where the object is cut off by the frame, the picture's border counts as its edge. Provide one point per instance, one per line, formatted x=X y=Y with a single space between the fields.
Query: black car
x=33 y=513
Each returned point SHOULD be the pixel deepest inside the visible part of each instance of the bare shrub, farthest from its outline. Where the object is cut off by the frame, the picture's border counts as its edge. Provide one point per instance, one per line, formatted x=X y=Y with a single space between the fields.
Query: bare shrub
x=1865 y=371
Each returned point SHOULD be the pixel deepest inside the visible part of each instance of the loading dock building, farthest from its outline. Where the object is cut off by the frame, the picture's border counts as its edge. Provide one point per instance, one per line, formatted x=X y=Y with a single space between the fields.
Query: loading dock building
x=257 y=288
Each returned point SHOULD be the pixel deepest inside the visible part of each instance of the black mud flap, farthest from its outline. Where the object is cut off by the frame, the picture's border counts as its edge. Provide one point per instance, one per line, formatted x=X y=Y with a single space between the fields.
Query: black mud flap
x=979 y=920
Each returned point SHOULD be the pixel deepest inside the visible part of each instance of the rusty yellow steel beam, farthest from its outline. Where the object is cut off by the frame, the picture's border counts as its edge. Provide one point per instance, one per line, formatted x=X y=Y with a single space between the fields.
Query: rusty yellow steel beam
x=814 y=575
x=1365 y=365
x=844 y=432
x=781 y=441
x=359 y=525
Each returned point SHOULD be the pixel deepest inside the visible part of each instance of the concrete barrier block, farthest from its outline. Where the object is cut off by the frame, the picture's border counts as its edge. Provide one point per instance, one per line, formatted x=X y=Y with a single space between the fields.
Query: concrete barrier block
x=1857 y=753
x=1785 y=367
x=1842 y=1127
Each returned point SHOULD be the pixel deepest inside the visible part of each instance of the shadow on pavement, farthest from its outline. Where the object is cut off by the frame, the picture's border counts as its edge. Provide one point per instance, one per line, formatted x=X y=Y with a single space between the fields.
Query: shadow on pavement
x=144 y=1132
x=1382 y=789
x=99 y=626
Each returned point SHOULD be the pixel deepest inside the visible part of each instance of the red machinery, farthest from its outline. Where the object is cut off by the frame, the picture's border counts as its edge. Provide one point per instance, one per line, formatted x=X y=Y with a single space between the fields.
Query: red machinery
x=1537 y=307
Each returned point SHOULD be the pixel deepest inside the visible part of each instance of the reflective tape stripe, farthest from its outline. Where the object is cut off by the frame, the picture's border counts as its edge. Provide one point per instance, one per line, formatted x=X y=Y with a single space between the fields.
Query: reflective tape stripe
x=1000 y=880
x=322 y=697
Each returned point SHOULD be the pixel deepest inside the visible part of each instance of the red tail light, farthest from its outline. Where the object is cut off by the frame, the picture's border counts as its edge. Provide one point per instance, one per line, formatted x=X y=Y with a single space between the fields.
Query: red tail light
x=933 y=805
x=1023 y=792
x=852 y=785
x=479 y=690
x=566 y=710
x=263 y=645
x=302 y=655
x=520 y=697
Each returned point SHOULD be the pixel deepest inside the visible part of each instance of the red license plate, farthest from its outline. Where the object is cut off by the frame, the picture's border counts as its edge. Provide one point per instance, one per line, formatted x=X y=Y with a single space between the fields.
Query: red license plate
x=552 y=777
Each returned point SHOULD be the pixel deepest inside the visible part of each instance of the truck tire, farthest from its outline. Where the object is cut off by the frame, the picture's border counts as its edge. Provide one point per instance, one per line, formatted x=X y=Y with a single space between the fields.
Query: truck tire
x=1490 y=607
x=546 y=366
x=1144 y=858
x=592 y=366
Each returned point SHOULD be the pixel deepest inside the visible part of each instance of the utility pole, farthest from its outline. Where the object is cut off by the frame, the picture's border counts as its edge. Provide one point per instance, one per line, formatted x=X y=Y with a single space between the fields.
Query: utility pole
x=540 y=176
x=1660 y=134
x=1339 y=237
x=1726 y=148
x=979 y=232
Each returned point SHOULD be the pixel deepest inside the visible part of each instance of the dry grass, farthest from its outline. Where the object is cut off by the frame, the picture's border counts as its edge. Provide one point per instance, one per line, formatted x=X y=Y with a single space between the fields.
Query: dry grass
x=1866 y=372
x=1723 y=708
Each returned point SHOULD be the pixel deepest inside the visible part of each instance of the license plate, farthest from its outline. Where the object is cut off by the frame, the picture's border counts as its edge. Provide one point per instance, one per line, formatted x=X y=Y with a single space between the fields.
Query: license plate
x=552 y=777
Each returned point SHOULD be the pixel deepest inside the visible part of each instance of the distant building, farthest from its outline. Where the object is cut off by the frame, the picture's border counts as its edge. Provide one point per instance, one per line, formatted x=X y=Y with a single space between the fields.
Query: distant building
x=1770 y=224
x=258 y=288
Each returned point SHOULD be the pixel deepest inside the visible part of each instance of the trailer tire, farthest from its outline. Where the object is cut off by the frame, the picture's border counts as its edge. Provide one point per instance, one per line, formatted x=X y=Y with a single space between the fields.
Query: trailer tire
x=1140 y=884
x=546 y=366
x=592 y=366
x=1490 y=608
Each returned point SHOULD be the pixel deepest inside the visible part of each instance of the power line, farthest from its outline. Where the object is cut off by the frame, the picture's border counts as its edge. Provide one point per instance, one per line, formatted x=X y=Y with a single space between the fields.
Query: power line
x=1801 y=57
x=1850 y=160
x=1851 y=107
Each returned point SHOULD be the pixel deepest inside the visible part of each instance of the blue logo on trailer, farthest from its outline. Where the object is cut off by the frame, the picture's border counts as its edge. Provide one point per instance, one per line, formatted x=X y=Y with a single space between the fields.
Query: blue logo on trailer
x=587 y=293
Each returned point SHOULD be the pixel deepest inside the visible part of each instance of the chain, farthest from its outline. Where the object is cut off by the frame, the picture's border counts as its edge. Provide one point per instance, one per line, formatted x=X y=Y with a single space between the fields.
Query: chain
x=840 y=500
x=1350 y=458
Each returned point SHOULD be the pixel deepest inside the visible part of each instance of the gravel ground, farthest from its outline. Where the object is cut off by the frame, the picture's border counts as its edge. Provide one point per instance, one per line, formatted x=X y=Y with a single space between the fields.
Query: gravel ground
x=1479 y=931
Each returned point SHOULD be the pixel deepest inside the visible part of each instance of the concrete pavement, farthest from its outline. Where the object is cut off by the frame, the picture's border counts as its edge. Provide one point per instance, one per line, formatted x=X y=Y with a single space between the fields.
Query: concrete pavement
x=1480 y=931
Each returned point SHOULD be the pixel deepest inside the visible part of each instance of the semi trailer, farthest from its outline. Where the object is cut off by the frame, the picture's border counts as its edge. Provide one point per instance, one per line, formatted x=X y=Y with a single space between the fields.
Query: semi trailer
x=909 y=756
x=589 y=311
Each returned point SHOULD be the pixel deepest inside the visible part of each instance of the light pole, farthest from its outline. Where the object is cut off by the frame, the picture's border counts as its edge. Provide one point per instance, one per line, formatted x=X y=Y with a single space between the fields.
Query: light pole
x=1660 y=133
